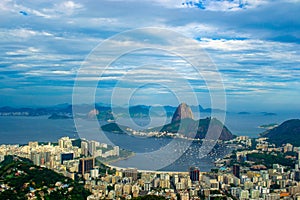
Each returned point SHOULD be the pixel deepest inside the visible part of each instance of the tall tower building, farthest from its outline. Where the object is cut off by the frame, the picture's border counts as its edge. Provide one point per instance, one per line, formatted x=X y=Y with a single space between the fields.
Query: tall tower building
x=297 y=176
x=61 y=143
x=86 y=165
x=194 y=174
x=236 y=170
x=117 y=151
x=66 y=156
x=92 y=146
x=84 y=148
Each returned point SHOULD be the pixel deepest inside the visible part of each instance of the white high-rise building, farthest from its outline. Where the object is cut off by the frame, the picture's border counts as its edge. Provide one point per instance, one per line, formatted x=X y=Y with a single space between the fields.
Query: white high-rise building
x=64 y=143
x=84 y=148
x=116 y=150
x=93 y=146
x=94 y=173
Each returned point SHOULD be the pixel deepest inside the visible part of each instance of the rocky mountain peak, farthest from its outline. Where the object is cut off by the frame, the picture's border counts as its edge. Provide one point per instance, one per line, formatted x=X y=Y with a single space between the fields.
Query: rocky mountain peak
x=183 y=111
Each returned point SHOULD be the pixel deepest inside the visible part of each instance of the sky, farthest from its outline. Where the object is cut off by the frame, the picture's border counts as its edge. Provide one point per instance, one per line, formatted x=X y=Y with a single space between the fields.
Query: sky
x=254 y=46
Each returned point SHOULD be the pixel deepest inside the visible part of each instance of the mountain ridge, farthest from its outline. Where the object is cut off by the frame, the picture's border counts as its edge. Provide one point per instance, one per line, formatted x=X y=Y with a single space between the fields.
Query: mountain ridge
x=287 y=132
x=106 y=112
x=197 y=128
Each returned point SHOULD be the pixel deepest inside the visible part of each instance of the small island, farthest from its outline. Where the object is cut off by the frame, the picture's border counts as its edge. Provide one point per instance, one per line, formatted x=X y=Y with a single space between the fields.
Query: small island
x=269 y=114
x=59 y=116
x=244 y=113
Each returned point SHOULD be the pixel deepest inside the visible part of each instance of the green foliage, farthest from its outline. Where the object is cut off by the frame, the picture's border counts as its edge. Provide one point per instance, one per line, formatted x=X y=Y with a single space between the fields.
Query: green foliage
x=287 y=132
x=291 y=153
x=253 y=144
x=38 y=178
x=189 y=127
x=9 y=195
x=214 y=170
x=103 y=168
x=105 y=115
x=196 y=128
x=270 y=159
x=113 y=127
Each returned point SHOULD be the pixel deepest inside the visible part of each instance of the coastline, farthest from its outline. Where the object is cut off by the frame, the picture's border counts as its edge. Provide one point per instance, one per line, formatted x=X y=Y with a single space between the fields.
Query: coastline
x=117 y=159
x=148 y=171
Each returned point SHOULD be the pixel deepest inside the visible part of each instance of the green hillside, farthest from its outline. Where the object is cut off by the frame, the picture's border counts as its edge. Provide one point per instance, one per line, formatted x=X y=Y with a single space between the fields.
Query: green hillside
x=22 y=178
x=287 y=132
x=197 y=128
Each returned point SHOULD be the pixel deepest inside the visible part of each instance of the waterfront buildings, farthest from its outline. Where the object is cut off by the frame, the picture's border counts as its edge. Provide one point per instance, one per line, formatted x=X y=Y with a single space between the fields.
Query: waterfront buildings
x=246 y=180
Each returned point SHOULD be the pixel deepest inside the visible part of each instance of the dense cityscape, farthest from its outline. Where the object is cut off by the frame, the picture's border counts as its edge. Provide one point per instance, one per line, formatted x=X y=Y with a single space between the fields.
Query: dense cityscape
x=239 y=175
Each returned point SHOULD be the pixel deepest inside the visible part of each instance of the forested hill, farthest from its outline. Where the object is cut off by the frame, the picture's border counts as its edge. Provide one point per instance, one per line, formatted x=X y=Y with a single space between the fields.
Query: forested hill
x=21 y=178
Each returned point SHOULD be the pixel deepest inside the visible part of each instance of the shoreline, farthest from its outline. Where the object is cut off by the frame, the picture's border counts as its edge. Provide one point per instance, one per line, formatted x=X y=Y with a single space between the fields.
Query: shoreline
x=118 y=159
x=147 y=171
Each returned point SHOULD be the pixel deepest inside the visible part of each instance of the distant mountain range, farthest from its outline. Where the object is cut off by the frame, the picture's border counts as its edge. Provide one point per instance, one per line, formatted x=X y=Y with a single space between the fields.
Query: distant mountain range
x=59 y=109
x=287 y=132
x=262 y=113
x=104 y=112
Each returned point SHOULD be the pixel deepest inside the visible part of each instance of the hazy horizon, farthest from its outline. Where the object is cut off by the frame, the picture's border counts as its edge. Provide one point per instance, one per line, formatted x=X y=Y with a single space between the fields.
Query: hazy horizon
x=255 y=46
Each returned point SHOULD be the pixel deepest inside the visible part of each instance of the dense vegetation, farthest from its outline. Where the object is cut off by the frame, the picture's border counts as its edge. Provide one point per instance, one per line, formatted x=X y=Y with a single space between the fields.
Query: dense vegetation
x=105 y=115
x=287 y=132
x=103 y=169
x=269 y=159
x=197 y=128
x=189 y=127
x=115 y=128
x=22 y=176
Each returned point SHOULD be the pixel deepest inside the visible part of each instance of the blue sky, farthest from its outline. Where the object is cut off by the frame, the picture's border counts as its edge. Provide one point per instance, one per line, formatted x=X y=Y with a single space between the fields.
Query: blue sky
x=254 y=44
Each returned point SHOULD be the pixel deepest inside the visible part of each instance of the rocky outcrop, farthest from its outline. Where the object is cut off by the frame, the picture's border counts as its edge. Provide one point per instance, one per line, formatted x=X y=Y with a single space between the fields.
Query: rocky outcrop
x=183 y=111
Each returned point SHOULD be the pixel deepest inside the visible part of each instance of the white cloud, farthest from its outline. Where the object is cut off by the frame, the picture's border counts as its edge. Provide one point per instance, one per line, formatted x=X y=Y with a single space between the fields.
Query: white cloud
x=213 y=5
x=51 y=73
x=53 y=39
x=67 y=7
x=57 y=10
x=23 y=33
x=29 y=50
x=5 y=5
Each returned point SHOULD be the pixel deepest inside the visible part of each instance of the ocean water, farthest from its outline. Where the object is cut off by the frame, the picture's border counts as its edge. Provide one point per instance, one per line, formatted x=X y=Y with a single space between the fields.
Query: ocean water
x=248 y=124
x=21 y=130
